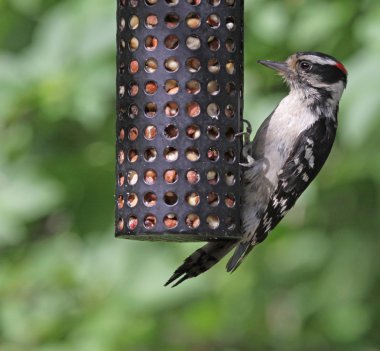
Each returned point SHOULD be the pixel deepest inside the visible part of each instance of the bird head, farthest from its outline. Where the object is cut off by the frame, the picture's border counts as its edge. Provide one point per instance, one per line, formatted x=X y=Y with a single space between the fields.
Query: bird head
x=312 y=72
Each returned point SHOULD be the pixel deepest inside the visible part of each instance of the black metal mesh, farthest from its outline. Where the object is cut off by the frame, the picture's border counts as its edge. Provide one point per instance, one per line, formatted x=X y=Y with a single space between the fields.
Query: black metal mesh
x=179 y=88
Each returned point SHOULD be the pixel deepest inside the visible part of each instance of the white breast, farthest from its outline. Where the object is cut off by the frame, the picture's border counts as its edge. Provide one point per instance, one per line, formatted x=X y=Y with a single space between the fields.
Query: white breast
x=291 y=118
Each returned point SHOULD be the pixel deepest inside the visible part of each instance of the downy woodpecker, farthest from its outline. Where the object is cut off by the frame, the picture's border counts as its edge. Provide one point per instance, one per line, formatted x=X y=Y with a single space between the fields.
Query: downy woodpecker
x=288 y=151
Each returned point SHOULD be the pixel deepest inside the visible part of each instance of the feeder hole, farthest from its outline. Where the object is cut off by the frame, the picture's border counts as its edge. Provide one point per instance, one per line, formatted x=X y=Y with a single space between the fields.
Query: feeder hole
x=213 y=154
x=231 y=88
x=229 y=178
x=213 y=199
x=133 y=88
x=151 y=87
x=230 y=134
x=229 y=111
x=150 y=199
x=192 y=176
x=213 y=43
x=134 y=22
x=170 y=176
x=172 y=2
x=213 y=89
x=151 y=2
x=230 y=45
x=193 y=199
x=230 y=223
x=212 y=177
x=151 y=21
x=132 y=222
x=230 y=67
x=213 y=132
x=122 y=45
x=213 y=221
x=150 y=132
x=122 y=68
x=171 y=42
x=150 y=177
x=193 y=109
x=171 y=87
x=133 y=155
x=230 y=23
x=171 y=154
x=170 y=198
x=133 y=111
x=120 y=202
x=133 y=67
x=213 y=110
x=193 y=65
x=193 y=87
x=151 y=65
x=133 y=44
x=213 y=65
x=150 y=110
x=120 y=224
x=121 y=91
x=229 y=155
x=150 y=221
x=192 y=154
x=132 y=200
x=193 y=131
x=151 y=43
x=193 y=221
x=194 y=2
x=170 y=221
x=213 y=21
x=133 y=133
x=121 y=157
x=171 y=109
x=171 y=20
x=150 y=154
x=230 y=201
x=132 y=177
x=214 y=2
x=193 y=42
x=121 y=179
x=171 y=64
x=171 y=132
x=193 y=20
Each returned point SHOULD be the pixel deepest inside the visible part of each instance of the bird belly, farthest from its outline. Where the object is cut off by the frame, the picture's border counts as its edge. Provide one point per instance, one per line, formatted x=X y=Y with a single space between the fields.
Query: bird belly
x=256 y=194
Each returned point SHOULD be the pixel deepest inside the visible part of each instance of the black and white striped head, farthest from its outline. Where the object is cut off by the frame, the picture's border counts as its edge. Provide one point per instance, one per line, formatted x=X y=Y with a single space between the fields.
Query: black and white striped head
x=312 y=71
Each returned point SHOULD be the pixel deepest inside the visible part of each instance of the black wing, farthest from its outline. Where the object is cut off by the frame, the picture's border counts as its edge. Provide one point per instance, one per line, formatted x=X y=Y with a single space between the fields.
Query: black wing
x=309 y=155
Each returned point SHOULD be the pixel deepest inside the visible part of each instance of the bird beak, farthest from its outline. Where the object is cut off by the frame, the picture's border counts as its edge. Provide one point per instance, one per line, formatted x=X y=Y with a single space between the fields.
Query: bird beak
x=281 y=67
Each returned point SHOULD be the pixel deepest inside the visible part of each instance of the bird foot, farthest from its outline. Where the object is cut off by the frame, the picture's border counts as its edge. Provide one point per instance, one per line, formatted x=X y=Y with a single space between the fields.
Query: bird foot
x=250 y=162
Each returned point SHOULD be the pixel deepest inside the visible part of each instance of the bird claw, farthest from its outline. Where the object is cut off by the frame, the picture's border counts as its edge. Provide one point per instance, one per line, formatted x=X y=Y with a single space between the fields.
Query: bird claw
x=247 y=133
x=250 y=162
x=247 y=145
x=249 y=127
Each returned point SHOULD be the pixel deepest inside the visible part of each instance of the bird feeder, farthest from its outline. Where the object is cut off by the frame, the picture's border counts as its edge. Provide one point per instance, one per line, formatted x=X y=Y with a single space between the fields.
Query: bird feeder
x=179 y=108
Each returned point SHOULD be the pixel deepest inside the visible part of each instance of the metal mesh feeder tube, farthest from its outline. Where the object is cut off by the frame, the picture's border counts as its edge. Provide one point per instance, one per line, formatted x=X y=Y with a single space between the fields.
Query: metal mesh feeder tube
x=179 y=106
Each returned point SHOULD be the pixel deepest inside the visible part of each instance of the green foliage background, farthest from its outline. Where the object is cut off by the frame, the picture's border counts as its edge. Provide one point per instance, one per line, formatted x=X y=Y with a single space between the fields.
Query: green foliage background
x=67 y=284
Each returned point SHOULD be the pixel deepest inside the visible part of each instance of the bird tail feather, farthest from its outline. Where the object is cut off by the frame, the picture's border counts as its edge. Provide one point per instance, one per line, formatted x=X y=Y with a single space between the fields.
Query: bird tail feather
x=200 y=261
x=240 y=252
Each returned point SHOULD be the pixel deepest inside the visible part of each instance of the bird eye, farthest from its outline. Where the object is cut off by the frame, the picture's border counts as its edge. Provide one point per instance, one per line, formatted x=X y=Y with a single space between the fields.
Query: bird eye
x=305 y=66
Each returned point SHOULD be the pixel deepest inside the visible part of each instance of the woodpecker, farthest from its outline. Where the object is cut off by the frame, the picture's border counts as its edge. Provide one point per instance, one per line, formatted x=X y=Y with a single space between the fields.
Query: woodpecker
x=287 y=152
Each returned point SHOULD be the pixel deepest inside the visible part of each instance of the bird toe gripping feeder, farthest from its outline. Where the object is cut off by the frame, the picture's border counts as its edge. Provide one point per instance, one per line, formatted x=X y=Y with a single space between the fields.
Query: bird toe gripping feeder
x=179 y=107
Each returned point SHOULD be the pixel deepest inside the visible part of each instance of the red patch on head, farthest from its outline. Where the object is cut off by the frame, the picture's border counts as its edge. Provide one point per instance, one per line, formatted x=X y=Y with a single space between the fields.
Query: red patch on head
x=341 y=67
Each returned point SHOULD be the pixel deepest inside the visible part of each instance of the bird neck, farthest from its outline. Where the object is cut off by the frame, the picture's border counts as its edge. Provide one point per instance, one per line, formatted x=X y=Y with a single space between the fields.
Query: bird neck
x=322 y=101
